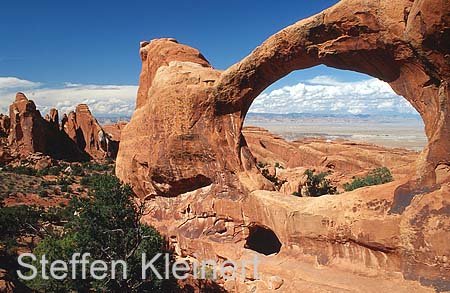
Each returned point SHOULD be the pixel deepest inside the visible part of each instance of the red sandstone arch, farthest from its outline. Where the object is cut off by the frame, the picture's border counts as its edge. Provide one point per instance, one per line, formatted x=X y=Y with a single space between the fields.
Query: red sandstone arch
x=395 y=41
x=186 y=130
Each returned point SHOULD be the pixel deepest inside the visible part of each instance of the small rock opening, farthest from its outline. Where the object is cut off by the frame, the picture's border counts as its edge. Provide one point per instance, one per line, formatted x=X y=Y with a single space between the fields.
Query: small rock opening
x=263 y=240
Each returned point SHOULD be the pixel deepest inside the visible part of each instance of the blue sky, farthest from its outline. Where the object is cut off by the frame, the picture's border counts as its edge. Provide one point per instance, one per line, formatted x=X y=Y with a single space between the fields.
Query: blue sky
x=65 y=45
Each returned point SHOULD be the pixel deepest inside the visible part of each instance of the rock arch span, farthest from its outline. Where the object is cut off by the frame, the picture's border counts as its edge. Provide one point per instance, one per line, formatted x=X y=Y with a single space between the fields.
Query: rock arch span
x=186 y=130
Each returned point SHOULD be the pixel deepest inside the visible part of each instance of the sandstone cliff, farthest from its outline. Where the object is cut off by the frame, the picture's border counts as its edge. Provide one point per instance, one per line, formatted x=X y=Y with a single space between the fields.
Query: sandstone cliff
x=4 y=125
x=78 y=137
x=184 y=151
x=30 y=133
x=88 y=134
x=187 y=111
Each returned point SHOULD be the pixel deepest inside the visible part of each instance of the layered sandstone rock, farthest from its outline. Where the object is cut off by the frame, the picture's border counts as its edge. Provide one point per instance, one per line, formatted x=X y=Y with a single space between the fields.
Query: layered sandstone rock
x=30 y=133
x=188 y=112
x=79 y=137
x=348 y=242
x=184 y=150
x=88 y=134
x=53 y=118
x=345 y=159
x=5 y=124
x=172 y=150
x=115 y=130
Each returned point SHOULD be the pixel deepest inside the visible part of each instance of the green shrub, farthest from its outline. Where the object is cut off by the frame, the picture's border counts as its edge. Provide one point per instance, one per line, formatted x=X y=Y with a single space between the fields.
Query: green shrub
x=278 y=165
x=21 y=170
x=87 y=180
x=47 y=183
x=64 y=180
x=98 y=167
x=272 y=178
x=318 y=184
x=42 y=172
x=77 y=170
x=55 y=170
x=261 y=165
x=43 y=193
x=64 y=188
x=106 y=225
x=16 y=221
x=375 y=177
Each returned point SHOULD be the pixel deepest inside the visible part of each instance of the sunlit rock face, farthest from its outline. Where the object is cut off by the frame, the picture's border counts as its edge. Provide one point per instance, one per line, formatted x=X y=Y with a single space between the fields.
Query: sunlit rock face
x=82 y=127
x=30 y=133
x=184 y=151
x=189 y=116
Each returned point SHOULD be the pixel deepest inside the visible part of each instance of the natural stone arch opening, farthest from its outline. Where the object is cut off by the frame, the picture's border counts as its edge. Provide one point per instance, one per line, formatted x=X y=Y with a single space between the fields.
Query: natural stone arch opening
x=319 y=137
x=366 y=41
x=189 y=116
x=262 y=240
x=299 y=106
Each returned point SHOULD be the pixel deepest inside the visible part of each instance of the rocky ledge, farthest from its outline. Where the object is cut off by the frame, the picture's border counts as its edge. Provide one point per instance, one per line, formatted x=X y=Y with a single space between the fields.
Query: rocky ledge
x=185 y=153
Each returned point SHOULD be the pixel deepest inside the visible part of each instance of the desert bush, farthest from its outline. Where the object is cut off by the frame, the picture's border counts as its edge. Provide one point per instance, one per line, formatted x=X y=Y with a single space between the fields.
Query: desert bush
x=65 y=180
x=96 y=166
x=261 y=165
x=318 y=184
x=64 y=188
x=43 y=193
x=106 y=225
x=278 y=165
x=21 y=170
x=375 y=177
x=273 y=178
x=85 y=180
x=16 y=221
x=47 y=183
x=77 y=170
x=55 y=170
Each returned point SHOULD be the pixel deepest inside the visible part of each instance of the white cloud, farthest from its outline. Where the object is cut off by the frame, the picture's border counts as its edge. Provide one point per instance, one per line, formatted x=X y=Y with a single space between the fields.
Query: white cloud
x=14 y=83
x=324 y=94
x=324 y=79
x=101 y=99
x=70 y=84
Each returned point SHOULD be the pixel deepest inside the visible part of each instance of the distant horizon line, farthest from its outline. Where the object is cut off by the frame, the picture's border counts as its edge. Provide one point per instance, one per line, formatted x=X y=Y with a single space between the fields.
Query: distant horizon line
x=318 y=114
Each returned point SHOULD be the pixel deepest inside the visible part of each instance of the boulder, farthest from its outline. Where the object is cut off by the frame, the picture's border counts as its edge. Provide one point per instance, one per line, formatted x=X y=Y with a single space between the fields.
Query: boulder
x=275 y=282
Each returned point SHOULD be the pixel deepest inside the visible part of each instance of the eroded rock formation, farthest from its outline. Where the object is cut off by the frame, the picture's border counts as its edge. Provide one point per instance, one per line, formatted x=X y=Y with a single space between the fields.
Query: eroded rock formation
x=30 y=133
x=346 y=159
x=5 y=124
x=79 y=137
x=53 y=118
x=185 y=142
x=193 y=112
x=88 y=134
